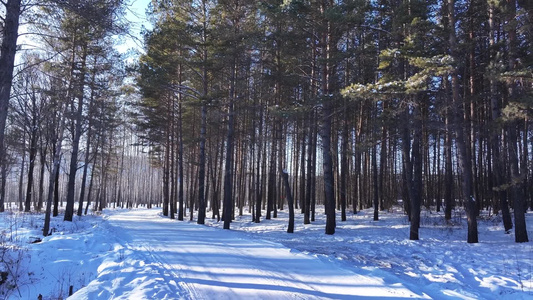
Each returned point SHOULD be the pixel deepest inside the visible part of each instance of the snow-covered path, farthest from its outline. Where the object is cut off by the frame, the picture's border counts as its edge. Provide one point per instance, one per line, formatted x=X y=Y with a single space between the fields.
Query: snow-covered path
x=164 y=259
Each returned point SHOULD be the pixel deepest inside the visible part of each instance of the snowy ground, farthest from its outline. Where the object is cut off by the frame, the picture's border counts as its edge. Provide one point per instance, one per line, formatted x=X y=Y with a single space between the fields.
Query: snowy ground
x=139 y=254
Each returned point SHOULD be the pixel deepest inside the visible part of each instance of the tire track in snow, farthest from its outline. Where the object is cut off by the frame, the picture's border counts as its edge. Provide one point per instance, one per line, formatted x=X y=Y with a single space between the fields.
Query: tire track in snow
x=212 y=263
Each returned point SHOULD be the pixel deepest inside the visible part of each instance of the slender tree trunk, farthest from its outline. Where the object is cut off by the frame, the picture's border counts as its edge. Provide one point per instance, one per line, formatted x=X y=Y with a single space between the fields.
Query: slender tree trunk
x=517 y=179
x=181 y=199
x=55 y=213
x=416 y=199
x=497 y=168
x=31 y=163
x=55 y=170
x=228 y=175
x=309 y=173
x=201 y=171
x=91 y=181
x=21 y=178
x=69 y=210
x=87 y=147
x=290 y=201
x=41 y=178
x=448 y=166
x=327 y=112
x=272 y=174
x=203 y=124
x=301 y=167
x=344 y=165
x=172 y=166
x=166 y=179
x=56 y=161
x=464 y=160
x=375 y=189
x=3 y=166
x=382 y=165
x=258 y=177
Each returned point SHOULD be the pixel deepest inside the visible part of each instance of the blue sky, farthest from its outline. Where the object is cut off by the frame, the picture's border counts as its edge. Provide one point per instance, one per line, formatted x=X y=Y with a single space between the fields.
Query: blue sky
x=136 y=16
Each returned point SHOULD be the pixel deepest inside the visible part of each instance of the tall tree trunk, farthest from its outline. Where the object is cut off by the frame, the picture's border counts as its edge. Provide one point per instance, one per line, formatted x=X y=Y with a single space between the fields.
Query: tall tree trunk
x=301 y=166
x=464 y=160
x=375 y=189
x=271 y=195
x=326 y=42
x=55 y=175
x=344 y=164
x=43 y=153
x=87 y=145
x=448 y=167
x=407 y=167
x=69 y=210
x=31 y=163
x=91 y=181
x=497 y=168
x=21 y=179
x=203 y=121
x=181 y=199
x=7 y=63
x=513 y=127
x=309 y=166
x=57 y=142
x=201 y=170
x=290 y=201
x=228 y=175
x=416 y=160
x=258 y=177
x=3 y=166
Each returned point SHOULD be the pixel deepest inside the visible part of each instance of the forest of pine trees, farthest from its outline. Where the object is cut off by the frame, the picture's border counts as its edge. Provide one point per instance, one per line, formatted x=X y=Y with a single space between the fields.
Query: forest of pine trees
x=364 y=104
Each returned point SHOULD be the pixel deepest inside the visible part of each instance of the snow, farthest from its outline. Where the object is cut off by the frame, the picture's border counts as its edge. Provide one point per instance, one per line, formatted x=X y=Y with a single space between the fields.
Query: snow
x=139 y=254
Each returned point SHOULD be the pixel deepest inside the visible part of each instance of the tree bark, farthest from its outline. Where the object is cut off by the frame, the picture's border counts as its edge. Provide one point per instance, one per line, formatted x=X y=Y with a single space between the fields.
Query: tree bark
x=497 y=168
x=517 y=179
x=73 y=168
x=290 y=201
x=228 y=175
x=464 y=160
x=31 y=163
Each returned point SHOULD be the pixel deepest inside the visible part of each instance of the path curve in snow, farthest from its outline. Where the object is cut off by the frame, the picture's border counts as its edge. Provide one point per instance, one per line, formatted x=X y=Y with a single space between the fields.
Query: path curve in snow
x=158 y=258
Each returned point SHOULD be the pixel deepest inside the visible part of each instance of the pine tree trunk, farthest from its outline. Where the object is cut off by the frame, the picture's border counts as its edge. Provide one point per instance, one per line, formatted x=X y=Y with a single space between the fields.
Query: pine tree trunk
x=228 y=176
x=497 y=168
x=417 y=162
x=69 y=210
x=513 y=127
x=464 y=160
x=290 y=201
x=87 y=146
x=57 y=141
x=32 y=155
x=302 y=187
x=41 y=178
x=327 y=116
x=55 y=213
x=181 y=199
x=344 y=165
x=21 y=178
x=91 y=181
x=271 y=195
x=375 y=189
x=309 y=167
x=3 y=182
